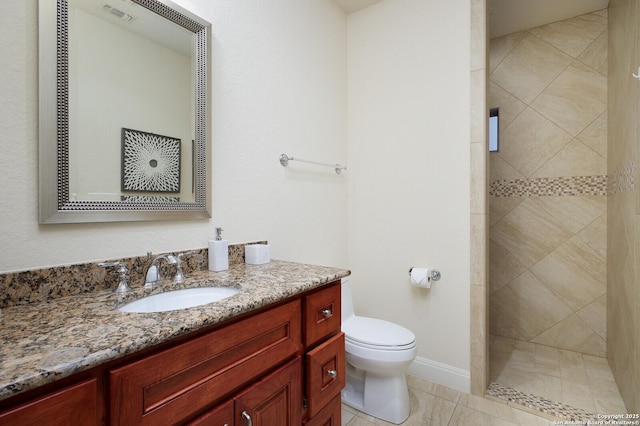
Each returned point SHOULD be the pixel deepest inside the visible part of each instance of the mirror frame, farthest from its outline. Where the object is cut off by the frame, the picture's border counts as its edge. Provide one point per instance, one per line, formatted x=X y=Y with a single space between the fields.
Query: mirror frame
x=53 y=134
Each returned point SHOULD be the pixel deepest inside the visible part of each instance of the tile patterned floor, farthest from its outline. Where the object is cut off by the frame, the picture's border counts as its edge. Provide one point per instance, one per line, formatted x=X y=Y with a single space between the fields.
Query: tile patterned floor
x=572 y=379
x=582 y=389
x=436 y=405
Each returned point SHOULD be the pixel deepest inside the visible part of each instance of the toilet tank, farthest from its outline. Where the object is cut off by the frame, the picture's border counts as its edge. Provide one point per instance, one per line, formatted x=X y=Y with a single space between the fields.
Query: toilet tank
x=347 y=300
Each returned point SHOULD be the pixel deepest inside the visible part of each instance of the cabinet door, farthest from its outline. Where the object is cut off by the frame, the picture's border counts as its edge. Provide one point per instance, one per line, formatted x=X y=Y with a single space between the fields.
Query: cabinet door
x=75 y=405
x=222 y=415
x=325 y=373
x=275 y=400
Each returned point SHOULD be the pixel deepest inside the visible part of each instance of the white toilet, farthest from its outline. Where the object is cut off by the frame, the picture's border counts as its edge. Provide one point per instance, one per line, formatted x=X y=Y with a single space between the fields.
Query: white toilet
x=378 y=353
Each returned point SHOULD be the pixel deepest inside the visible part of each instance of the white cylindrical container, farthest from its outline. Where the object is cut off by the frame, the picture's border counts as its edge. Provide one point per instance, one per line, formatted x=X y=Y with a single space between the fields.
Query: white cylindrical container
x=218 y=253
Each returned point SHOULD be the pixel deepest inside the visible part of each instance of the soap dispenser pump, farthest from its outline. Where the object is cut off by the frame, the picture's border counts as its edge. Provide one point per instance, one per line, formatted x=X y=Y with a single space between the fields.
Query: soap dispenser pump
x=218 y=252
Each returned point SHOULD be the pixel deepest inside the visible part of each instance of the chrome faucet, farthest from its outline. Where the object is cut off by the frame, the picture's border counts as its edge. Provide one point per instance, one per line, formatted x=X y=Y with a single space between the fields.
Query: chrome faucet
x=179 y=277
x=152 y=271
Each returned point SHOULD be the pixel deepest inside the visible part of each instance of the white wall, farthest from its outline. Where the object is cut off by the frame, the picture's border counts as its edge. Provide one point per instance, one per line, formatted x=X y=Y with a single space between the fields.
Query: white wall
x=409 y=132
x=279 y=85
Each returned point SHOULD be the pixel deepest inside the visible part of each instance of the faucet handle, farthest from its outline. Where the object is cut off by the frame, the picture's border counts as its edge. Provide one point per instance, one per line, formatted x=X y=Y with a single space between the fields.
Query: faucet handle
x=123 y=287
x=179 y=276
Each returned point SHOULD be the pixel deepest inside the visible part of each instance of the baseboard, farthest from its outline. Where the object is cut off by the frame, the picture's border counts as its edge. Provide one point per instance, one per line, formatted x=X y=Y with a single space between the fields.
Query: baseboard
x=443 y=374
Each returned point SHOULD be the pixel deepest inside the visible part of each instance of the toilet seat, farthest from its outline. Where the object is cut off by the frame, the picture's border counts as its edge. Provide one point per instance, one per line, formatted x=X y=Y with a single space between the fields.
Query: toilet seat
x=378 y=334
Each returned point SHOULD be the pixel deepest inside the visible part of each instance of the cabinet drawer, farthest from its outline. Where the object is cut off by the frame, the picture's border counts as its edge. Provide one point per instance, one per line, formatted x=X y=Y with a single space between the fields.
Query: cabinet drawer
x=322 y=313
x=73 y=405
x=175 y=384
x=330 y=415
x=325 y=372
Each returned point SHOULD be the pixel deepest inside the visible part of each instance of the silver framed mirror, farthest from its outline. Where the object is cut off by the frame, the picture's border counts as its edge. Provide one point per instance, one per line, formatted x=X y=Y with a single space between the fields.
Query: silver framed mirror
x=123 y=111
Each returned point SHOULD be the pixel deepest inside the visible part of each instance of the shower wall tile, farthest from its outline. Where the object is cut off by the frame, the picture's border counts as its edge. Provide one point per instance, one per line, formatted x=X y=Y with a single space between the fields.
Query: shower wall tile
x=504 y=267
x=501 y=170
x=574 y=159
x=510 y=106
x=573 y=334
x=574 y=272
x=529 y=232
x=529 y=68
x=574 y=35
x=501 y=47
x=530 y=141
x=548 y=207
x=595 y=135
x=595 y=316
x=500 y=207
x=574 y=99
x=595 y=55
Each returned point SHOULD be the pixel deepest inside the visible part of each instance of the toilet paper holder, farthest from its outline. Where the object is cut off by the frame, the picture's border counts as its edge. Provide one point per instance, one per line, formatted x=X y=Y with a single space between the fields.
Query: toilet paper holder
x=434 y=274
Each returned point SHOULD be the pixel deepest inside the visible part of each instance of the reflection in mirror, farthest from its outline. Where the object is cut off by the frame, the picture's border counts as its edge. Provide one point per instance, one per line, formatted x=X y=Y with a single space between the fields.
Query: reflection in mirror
x=129 y=98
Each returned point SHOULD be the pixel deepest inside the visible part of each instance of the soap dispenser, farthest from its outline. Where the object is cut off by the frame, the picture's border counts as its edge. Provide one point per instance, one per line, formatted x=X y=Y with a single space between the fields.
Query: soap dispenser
x=218 y=253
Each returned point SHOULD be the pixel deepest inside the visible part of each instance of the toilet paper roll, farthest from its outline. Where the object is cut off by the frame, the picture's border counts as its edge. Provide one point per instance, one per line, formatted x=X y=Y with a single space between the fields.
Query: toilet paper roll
x=420 y=277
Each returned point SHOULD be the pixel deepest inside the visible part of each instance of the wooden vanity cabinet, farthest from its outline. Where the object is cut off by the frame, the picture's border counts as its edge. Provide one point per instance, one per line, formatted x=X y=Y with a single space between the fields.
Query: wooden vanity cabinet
x=273 y=401
x=77 y=405
x=174 y=385
x=282 y=366
x=325 y=366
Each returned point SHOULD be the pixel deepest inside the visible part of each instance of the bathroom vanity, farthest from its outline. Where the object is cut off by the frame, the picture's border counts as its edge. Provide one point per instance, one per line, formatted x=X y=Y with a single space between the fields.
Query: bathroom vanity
x=271 y=355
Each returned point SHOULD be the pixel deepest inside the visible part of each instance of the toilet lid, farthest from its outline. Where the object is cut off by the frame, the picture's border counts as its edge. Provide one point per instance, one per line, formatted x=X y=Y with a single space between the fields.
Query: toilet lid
x=377 y=332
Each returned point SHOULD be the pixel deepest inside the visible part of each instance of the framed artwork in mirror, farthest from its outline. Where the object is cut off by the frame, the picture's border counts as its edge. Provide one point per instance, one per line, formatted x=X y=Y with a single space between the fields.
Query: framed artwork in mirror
x=150 y=162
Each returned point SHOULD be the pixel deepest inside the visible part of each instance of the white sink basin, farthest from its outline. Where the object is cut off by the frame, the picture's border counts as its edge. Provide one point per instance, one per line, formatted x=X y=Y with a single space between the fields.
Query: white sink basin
x=179 y=299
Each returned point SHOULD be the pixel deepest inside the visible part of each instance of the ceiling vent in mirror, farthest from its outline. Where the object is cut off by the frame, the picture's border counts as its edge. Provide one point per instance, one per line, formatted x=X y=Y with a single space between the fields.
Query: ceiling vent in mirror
x=118 y=13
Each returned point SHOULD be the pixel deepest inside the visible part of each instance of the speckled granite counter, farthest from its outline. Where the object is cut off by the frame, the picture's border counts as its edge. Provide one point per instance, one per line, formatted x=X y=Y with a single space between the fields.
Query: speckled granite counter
x=43 y=342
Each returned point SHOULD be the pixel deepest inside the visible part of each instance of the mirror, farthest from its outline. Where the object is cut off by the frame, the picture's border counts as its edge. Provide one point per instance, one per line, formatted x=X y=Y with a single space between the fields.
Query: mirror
x=123 y=124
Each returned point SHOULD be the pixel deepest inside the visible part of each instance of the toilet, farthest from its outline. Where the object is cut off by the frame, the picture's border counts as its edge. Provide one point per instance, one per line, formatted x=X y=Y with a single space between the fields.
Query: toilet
x=378 y=353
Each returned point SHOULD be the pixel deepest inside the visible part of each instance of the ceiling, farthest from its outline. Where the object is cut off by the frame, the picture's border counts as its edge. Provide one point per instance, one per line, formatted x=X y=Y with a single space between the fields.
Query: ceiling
x=350 y=6
x=510 y=16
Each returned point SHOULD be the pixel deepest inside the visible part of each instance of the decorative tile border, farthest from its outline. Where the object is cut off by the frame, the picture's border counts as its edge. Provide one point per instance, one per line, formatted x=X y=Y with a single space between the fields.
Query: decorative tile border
x=39 y=285
x=565 y=186
x=539 y=404
x=621 y=180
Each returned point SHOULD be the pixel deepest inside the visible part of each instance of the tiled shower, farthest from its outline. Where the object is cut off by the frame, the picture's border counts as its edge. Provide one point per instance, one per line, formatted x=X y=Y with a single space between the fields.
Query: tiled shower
x=552 y=183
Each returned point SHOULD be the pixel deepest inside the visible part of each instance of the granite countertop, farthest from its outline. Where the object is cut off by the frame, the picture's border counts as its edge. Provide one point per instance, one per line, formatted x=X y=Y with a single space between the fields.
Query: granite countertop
x=44 y=342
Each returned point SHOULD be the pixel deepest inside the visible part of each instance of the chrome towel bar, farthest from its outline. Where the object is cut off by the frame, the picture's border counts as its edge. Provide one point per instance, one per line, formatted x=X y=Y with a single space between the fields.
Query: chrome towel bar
x=284 y=160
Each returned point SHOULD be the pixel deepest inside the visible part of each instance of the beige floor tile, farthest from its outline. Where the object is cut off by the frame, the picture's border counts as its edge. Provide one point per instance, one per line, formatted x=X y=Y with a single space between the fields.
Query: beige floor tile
x=495 y=409
x=433 y=389
x=577 y=395
x=348 y=413
x=537 y=384
x=465 y=416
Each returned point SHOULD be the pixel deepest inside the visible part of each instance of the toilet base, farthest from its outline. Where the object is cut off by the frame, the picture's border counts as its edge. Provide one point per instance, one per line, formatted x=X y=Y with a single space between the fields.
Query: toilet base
x=383 y=396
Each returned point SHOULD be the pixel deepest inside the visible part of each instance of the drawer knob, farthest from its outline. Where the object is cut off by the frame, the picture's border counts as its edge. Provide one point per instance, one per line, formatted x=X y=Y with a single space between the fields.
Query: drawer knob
x=332 y=373
x=247 y=417
x=327 y=313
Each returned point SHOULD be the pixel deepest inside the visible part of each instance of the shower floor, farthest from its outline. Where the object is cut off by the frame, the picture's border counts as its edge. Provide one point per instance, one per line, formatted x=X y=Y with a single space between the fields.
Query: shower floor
x=569 y=378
